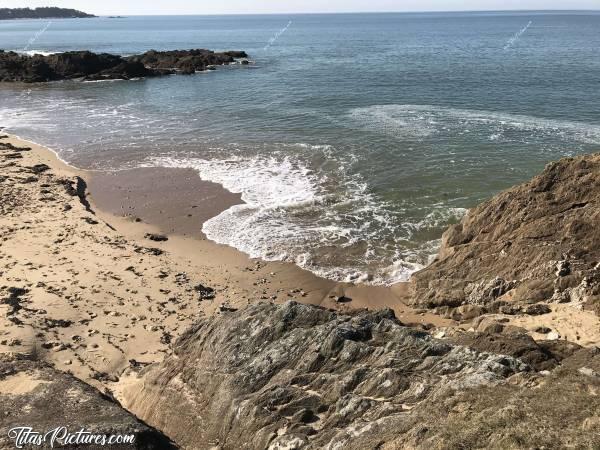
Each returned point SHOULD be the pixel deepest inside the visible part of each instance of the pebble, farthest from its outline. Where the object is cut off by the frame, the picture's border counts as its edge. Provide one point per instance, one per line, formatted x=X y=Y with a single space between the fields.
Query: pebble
x=553 y=336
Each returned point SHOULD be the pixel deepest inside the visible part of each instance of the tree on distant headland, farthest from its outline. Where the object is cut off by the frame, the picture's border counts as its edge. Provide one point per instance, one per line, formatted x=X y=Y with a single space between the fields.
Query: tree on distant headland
x=41 y=13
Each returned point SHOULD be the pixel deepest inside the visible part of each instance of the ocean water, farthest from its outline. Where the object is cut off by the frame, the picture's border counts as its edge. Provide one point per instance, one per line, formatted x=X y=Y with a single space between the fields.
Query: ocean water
x=354 y=139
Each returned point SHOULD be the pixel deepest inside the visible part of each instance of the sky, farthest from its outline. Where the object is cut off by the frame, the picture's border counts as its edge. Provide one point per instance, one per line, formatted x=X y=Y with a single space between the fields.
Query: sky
x=140 y=7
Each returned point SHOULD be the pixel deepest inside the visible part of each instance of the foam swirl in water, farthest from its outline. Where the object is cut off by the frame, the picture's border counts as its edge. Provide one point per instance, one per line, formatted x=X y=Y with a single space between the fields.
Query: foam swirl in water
x=327 y=222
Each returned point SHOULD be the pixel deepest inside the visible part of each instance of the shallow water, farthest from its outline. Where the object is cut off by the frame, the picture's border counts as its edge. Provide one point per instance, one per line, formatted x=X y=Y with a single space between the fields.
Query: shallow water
x=353 y=139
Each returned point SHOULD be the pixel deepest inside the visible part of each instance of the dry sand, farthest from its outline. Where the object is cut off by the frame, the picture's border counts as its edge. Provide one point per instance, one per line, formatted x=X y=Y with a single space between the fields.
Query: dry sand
x=85 y=289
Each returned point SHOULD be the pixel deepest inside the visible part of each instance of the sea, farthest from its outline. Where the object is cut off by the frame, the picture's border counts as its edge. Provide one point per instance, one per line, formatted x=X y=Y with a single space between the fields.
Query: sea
x=355 y=140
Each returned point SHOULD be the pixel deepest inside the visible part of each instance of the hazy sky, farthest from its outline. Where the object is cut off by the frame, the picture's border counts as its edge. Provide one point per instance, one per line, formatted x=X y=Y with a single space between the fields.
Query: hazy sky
x=108 y=7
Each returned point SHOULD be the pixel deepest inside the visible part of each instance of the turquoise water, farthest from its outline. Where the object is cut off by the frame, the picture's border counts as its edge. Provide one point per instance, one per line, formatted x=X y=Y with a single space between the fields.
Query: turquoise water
x=354 y=139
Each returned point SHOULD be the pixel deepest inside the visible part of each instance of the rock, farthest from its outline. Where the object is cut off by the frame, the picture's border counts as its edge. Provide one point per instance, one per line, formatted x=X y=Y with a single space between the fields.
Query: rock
x=204 y=292
x=35 y=395
x=468 y=312
x=88 y=66
x=296 y=373
x=156 y=237
x=509 y=310
x=519 y=235
x=537 y=309
x=563 y=268
x=542 y=330
x=343 y=299
x=226 y=308
x=486 y=291
x=236 y=54
x=516 y=344
x=553 y=336
x=185 y=61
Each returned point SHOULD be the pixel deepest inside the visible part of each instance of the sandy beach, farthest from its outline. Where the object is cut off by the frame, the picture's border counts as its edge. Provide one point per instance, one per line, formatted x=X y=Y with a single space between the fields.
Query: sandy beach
x=96 y=288
x=103 y=272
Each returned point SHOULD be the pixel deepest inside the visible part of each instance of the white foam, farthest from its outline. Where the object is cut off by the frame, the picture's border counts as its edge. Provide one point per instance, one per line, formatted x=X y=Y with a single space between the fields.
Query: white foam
x=418 y=121
x=332 y=228
x=35 y=52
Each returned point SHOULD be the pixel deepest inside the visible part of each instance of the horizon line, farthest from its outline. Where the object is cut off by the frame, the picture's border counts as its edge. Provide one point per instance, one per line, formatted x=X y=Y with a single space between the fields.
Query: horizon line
x=356 y=12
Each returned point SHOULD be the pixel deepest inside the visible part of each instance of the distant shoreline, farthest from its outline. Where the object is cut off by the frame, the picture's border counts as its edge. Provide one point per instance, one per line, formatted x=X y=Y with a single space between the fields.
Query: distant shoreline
x=318 y=13
x=42 y=13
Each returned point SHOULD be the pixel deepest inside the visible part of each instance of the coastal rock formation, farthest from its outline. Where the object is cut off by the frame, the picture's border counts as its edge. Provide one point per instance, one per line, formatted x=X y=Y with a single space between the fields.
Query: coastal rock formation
x=294 y=375
x=299 y=376
x=88 y=66
x=41 y=13
x=530 y=245
x=186 y=61
x=33 y=394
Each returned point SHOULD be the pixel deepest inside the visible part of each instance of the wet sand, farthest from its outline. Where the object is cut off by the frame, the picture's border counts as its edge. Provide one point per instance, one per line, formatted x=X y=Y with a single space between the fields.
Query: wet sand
x=177 y=201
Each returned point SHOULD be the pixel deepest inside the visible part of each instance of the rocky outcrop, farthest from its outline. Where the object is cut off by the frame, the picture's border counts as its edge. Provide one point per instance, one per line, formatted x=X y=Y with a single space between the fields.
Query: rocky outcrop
x=186 y=61
x=296 y=376
x=537 y=242
x=33 y=394
x=85 y=65
x=42 y=13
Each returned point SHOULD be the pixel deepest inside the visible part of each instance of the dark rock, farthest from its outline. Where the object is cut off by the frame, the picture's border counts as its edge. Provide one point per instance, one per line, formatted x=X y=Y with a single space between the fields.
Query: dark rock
x=236 y=54
x=156 y=237
x=226 y=308
x=205 y=292
x=563 y=268
x=166 y=338
x=517 y=345
x=47 y=398
x=537 y=309
x=89 y=66
x=185 y=61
